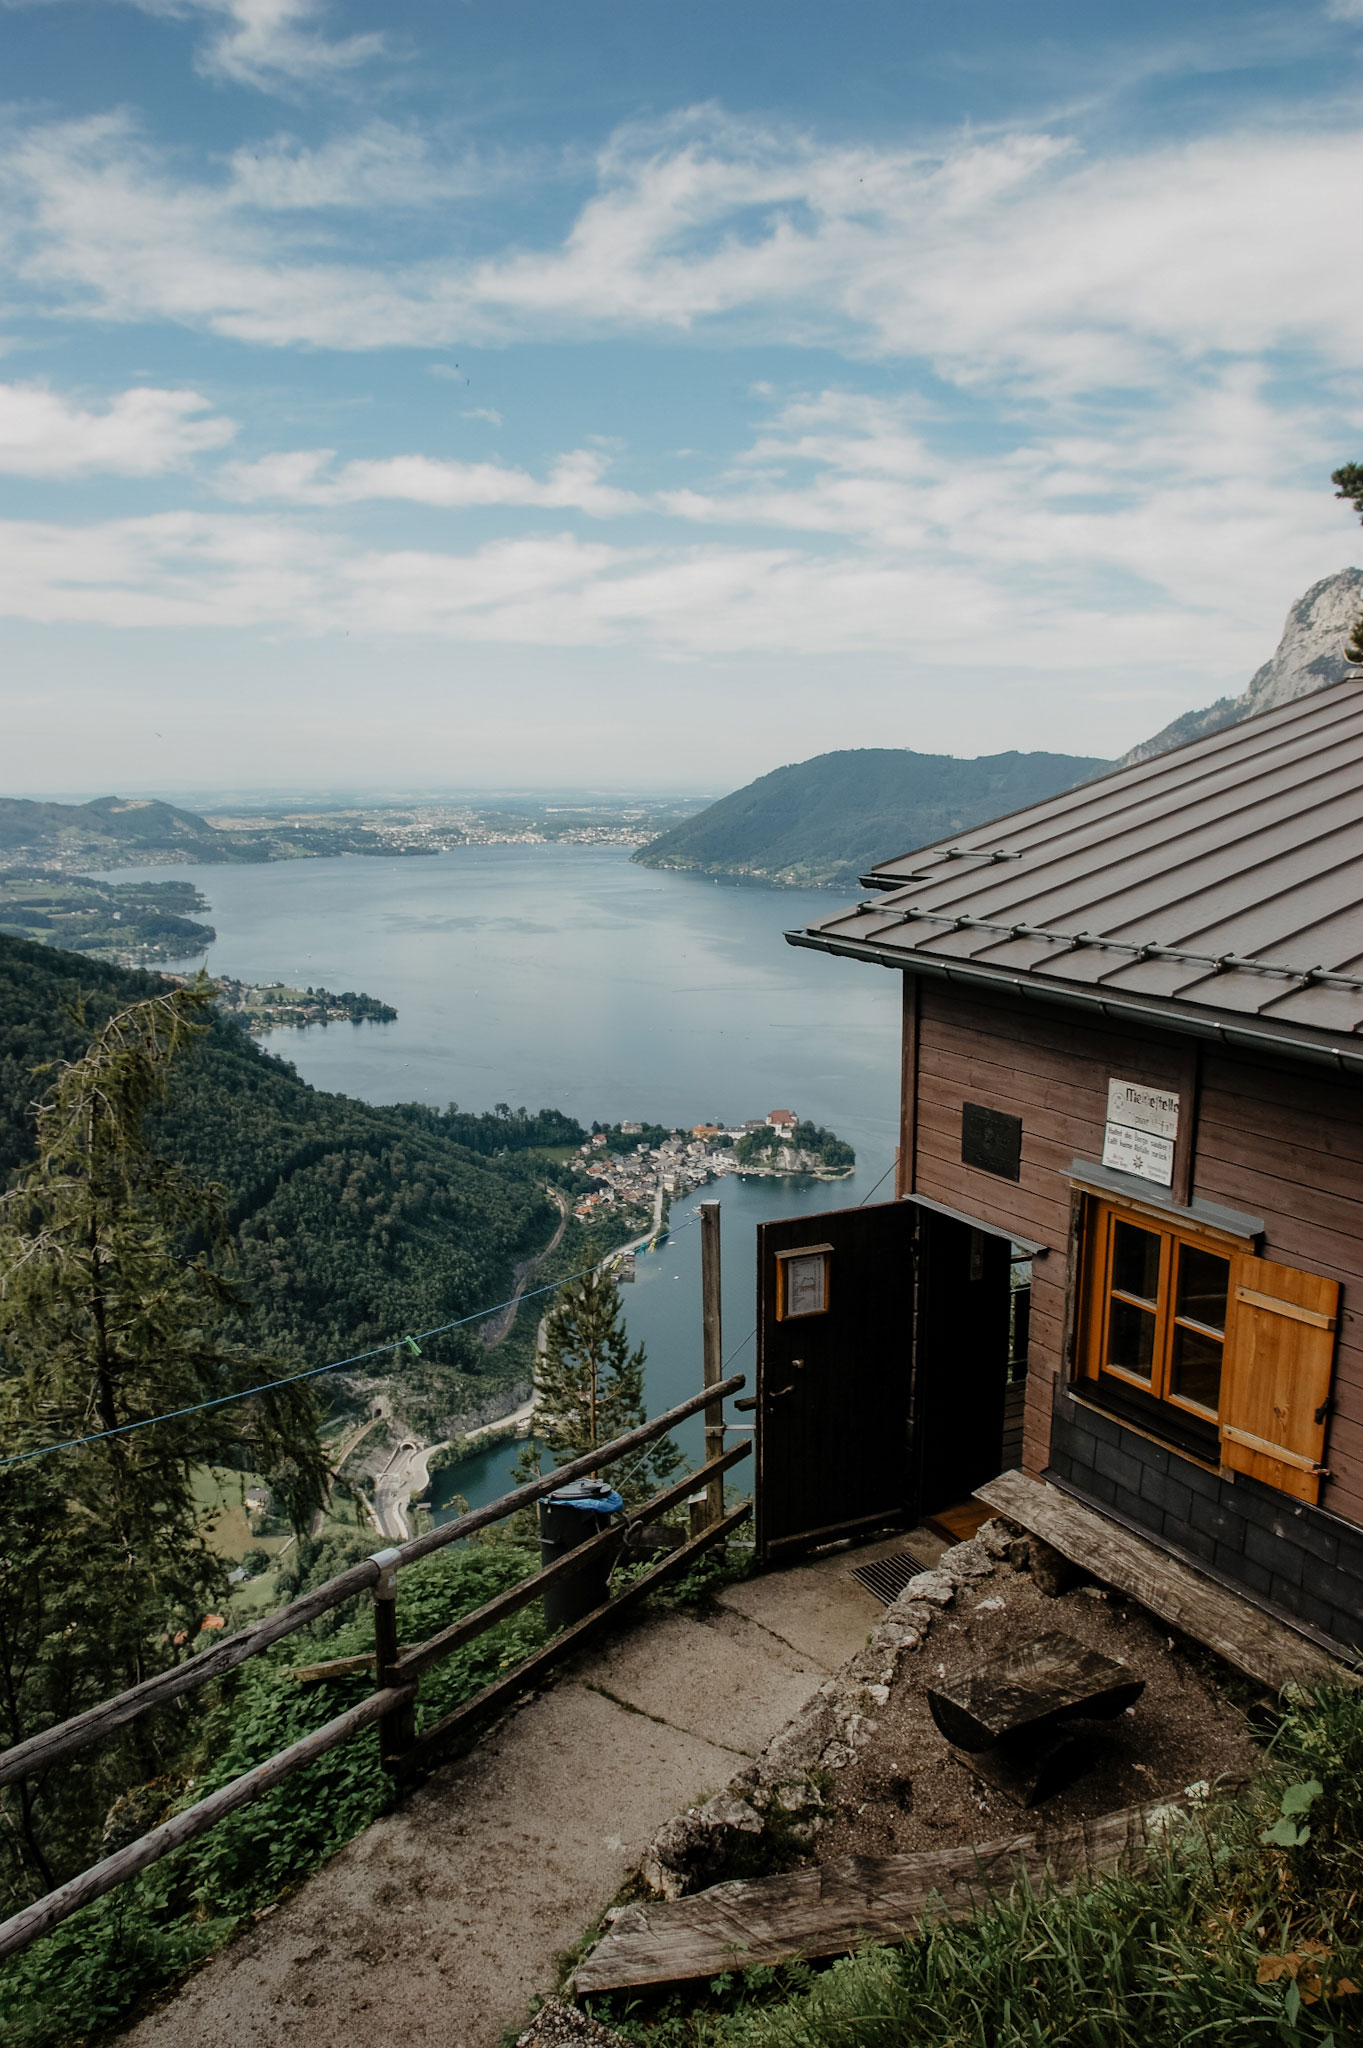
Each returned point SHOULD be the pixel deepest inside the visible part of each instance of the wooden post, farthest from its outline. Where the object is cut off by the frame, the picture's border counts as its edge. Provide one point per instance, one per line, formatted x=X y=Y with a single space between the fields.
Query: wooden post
x=397 y=1730
x=712 y=1325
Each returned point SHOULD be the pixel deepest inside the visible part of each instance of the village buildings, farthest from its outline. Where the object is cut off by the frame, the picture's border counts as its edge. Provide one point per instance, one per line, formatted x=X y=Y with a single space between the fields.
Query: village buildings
x=681 y=1163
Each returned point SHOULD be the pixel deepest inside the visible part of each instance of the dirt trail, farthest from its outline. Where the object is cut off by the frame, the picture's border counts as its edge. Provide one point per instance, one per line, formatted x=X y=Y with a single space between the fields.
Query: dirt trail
x=496 y=1327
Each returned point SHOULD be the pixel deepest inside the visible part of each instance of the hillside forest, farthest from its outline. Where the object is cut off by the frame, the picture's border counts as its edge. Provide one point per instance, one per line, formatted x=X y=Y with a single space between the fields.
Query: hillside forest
x=184 y=1225
x=347 y=1223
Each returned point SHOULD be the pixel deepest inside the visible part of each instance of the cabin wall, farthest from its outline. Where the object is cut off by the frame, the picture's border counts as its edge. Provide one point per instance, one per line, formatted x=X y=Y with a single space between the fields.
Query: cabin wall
x=1277 y=1141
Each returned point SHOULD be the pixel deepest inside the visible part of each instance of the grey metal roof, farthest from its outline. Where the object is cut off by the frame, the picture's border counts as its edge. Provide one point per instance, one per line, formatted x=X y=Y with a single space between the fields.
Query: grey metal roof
x=1218 y=887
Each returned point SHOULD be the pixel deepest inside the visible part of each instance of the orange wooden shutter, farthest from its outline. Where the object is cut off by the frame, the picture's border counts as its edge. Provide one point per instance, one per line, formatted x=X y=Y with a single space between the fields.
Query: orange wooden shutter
x=1280 y=1348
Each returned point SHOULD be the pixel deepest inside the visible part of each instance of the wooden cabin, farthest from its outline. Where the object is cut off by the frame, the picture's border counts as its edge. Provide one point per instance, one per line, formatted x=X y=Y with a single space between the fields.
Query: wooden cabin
x=1133 y=1054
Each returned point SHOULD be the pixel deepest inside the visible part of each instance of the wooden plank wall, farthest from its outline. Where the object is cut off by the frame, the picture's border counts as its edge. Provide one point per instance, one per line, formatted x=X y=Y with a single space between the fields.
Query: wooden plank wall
x=1281 y=1142
x=1287 y=1143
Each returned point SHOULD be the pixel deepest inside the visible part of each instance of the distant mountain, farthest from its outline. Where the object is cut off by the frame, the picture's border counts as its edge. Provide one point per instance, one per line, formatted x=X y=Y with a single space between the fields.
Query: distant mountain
x=116 y=831
x=110 y=824
x=1310 y=655
x=821 y=823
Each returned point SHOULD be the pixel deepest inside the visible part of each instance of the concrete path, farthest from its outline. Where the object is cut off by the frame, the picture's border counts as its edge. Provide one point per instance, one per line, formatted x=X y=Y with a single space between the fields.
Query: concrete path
x=438 y=1924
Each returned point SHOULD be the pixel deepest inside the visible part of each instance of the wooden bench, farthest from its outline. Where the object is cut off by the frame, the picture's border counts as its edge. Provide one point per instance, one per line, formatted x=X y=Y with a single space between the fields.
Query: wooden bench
x=1264 y=1648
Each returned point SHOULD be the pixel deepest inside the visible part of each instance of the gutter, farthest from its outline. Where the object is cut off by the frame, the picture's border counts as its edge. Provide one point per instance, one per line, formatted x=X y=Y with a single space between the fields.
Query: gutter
x=1188 y=1022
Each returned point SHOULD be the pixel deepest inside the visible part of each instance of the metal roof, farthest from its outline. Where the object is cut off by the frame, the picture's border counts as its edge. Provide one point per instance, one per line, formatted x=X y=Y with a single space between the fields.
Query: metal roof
x=1217 y=888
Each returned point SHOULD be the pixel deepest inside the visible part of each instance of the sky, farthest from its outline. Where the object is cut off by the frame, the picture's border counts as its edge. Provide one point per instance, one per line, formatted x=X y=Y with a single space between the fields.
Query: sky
x=642 y=395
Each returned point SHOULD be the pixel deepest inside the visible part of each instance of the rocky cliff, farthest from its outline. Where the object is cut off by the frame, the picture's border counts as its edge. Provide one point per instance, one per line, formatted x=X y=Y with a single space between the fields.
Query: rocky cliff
x=1310 y=654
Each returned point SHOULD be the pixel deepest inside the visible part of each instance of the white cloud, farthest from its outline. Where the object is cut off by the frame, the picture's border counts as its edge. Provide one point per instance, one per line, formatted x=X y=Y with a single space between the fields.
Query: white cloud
x=270 y=44
x=142 y=432
x=1013 y=260
x=1168 y=548
x=374 y=169
x=1200 y=513
x=306 y=477
x=683 y=601
x=483 y=412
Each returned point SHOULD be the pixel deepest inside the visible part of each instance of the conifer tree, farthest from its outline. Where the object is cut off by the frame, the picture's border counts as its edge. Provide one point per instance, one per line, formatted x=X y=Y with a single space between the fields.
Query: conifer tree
x=589 y=1387
x=1348 y=483
x=110 y=1288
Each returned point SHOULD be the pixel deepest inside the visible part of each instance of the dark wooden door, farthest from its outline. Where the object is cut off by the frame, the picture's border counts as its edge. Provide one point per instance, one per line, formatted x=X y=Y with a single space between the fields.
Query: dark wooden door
x=882 y=1369
x=962 y=1342
x=834 y=1380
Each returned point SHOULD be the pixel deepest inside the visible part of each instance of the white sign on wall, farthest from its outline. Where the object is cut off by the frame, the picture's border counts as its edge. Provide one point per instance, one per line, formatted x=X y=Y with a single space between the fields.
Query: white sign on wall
x=1142 y=1124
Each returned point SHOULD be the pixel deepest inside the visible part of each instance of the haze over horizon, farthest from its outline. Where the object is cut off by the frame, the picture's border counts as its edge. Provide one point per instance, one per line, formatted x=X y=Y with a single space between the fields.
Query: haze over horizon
x=638 y=399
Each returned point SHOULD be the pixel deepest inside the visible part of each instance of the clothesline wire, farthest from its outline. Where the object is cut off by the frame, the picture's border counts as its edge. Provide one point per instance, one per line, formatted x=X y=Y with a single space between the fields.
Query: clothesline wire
x=313 y=1372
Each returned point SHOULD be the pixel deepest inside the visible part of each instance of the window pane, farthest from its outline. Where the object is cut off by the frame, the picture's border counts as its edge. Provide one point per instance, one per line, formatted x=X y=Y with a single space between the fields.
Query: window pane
x=1135 y=1261
x=1203 y=1284
x=1131 y=1338
x=1196 y=1371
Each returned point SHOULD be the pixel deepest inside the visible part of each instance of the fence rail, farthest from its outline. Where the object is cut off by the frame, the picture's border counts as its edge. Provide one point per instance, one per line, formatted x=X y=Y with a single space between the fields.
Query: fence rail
x=397 y=1671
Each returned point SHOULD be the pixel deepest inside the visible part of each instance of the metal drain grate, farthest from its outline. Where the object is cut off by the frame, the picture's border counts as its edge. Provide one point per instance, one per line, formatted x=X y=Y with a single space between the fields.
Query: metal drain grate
x=887 y=1577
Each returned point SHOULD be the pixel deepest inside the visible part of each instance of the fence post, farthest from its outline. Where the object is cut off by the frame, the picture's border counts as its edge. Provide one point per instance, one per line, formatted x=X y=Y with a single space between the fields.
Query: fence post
x=397 y=1731
x=712 y=1324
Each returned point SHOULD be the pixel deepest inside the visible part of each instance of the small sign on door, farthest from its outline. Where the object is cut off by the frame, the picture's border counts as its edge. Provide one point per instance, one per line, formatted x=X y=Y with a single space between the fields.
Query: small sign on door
x=1142 y=1126
x=802 y=1281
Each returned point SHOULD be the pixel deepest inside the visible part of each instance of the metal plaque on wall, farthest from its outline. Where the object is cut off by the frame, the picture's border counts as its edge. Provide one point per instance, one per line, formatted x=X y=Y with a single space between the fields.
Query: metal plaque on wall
x=991 y=1140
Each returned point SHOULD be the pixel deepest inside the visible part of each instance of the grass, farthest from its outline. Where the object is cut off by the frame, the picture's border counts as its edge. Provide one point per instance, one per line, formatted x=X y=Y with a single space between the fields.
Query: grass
x=1242 y=1928
x=219 y=1497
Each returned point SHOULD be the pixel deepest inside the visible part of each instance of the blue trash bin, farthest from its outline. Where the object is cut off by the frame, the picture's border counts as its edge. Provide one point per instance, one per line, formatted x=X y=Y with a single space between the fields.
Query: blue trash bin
x=577 y=1512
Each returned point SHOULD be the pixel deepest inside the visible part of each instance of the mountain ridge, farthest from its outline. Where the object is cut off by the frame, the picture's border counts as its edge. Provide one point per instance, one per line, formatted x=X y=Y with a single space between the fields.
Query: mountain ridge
x=1309 y=655
x=820 y=823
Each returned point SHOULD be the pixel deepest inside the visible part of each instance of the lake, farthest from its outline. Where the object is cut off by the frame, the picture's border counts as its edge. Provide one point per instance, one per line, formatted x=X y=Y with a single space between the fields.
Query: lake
x=569 y=976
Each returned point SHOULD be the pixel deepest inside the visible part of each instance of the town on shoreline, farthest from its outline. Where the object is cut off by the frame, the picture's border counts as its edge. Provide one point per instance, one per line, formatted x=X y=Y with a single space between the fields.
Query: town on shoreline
x=779 y=1144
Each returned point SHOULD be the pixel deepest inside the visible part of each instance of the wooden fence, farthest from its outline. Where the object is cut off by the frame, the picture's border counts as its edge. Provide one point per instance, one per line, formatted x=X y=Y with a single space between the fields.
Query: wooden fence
x=397 y=1670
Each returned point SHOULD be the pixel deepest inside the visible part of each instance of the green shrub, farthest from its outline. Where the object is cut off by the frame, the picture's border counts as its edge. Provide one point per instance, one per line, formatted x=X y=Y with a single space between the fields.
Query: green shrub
x=92 y=1970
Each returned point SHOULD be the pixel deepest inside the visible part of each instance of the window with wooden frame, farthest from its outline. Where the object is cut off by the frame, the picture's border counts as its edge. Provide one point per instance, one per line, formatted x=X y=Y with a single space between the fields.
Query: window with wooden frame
x=1225 y=1355
x=802 y=1281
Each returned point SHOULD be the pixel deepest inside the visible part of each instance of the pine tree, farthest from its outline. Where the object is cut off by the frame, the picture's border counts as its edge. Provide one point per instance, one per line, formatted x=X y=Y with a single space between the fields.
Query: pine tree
x=1348 y=483
x=589 y=1388
x=110 y=1288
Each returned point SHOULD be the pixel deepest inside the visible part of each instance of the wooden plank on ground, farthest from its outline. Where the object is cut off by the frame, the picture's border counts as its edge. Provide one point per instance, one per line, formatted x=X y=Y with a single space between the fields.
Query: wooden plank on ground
x=1030 y=1687
x=1265 y=1649
x=835 y=1907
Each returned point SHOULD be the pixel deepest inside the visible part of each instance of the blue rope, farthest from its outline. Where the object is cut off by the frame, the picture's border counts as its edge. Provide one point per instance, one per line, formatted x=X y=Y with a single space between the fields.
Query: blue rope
x=77 y=1443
